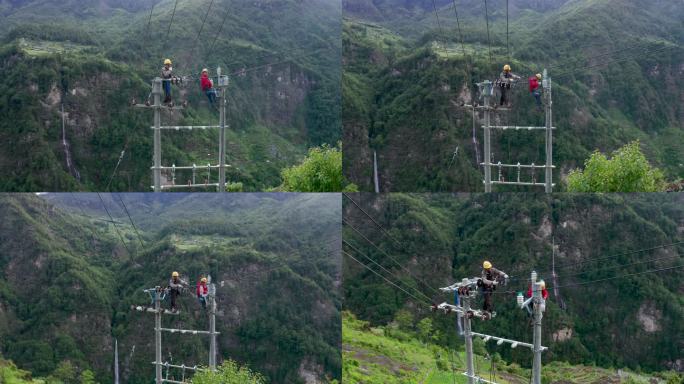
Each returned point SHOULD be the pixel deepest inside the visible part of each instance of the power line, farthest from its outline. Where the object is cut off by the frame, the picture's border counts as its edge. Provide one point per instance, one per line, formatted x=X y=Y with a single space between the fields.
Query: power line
x=121 y=156
x=131 y=220
x=619 y=277
x=384 y=278
x=619 y=254
x=441 y=31
x=622 y=265
x=390 y=257
x=205 y=19
x=489 y=41
x=113 y=223
x=218 y=33
x=508 y=52
x=383 y=268
x=147 y=29
x=166 y=39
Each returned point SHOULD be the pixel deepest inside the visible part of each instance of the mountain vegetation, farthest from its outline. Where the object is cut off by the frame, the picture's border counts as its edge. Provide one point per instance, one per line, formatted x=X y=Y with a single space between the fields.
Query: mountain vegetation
x=405 y=77
x=71 y=68
x=70 y=276
x=603 y=310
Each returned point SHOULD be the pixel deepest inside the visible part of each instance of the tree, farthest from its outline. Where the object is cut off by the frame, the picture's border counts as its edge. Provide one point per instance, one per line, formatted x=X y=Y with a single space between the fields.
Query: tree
x=229 y=373
x=425 y=329
x=321 y=171
x=88 y=377
x=404 y=320
x=627 y=171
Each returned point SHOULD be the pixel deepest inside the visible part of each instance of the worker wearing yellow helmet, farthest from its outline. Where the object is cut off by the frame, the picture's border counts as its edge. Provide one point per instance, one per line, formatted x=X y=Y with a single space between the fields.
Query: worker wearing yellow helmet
x=167 y=75
x=491 y=277
x=202 y=292
x=506 y=80
x=176 y=286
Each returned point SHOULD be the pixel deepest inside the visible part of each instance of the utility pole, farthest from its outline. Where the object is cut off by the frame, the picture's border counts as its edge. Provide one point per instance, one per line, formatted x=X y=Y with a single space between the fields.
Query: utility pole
x=375 y=172
x=156 y=93
x=539 y=307
x=486 y=92
x=222 y=85
x=467 y=290
x=548 y=178
x=157 y=294
x=157 y=168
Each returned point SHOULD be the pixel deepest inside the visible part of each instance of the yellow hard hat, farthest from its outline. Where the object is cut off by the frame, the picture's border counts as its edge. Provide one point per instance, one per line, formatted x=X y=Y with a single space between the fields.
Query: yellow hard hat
x=205 y=70
x=486 y=265
x=175 y=274
x=204 y=280
x=167 y=62
x=542 y=284
x=539 y=76
x=507 y=68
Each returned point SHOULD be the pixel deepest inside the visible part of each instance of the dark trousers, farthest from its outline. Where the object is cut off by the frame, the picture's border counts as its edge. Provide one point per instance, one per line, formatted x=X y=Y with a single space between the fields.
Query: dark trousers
x=487 y=292
x=537 y=97
x=167 y=90
x=174 y=294
x=504 y=95
x=211 y=95
x=203 y=301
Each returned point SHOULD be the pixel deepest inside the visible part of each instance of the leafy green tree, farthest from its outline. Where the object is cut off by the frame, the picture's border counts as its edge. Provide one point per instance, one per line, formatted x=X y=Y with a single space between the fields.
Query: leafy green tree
x=229 y=373
x=88 y=377
x=404 y=319
x=627 y=171
x=425 y=329
x=64 y=373
x=321 y=171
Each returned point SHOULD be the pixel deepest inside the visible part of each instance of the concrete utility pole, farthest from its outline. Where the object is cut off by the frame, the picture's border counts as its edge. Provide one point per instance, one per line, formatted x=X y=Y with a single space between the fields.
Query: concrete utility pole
x=467 y=289
x=539 y=307
x=548 y=179
x=157 y=294
x=487 y=92
x=156 y=93
x=157 y=168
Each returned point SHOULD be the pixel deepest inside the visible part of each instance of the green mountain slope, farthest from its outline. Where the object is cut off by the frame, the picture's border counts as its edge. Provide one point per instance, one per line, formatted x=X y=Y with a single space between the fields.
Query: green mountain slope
x=614 y=72
x=393 y=355
x=68 y=283
x=627 y=322
x=96 y=66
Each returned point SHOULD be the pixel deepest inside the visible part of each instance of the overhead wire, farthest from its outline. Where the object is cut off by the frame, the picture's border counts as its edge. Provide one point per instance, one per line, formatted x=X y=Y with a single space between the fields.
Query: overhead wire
x=168 y=30
x=489 y=40
x=383 y=268
x=384 y=278
x=441 y=31
x=131 y=219
x=388 y=256
x=220 y=29
x=508 y=51
x=121 y=156
x=113 y=223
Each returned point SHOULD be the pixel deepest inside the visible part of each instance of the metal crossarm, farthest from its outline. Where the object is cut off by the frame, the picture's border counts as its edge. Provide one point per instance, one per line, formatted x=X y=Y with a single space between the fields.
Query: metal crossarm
x=173 y=381
x=187 y=127
x=501 y=340
x=180 y=186
x=528 y=166
x=187 y=331
x=201 y=167
x=159 y=107
x=478 y=379
x=517 y=128
x=522 y=183
x=192 y=368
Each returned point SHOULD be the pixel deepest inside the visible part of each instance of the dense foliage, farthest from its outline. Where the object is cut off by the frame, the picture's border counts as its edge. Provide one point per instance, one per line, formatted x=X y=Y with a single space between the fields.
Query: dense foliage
x=228 y=373
x=443 y=238
x=263 y=251
x=286 y=102
x=627 y=171
x=405 y=77
x=321 y=171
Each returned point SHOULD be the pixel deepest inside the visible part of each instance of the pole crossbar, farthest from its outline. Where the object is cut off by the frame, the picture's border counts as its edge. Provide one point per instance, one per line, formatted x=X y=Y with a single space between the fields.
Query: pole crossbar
x=199 y=168
x=478 y=379
x=159 y=107
x=190 y=331
x=188 y=127
x=528 y=166
x=173 y=381
x=190 y=367
x=486 y=107
x=501 y=340
x=171 y=186
x=153 y=310
x=527 y=184
x=517 y=128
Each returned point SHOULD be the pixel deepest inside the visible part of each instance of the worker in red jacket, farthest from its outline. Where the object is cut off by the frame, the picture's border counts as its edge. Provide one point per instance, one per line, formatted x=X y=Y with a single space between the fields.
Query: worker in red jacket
x=208 y=86
x=534 y=89
x=202 y=292
x=544 y=295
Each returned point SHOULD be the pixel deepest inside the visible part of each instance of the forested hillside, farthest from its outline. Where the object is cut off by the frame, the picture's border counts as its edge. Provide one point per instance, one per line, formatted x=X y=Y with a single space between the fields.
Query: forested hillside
x=614 y=66
x=69 y=279
x=433 y=241
x=93 y=58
